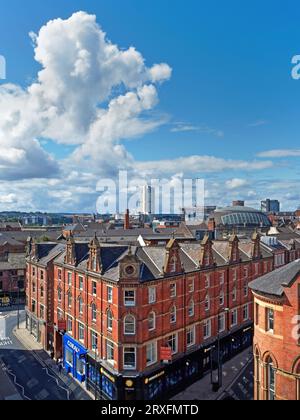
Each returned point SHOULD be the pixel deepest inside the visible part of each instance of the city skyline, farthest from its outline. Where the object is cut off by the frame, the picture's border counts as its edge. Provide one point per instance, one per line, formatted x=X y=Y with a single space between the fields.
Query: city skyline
x=203 y=100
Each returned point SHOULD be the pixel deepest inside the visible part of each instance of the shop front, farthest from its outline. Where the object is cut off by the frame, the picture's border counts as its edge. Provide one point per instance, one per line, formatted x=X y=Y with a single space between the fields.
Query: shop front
x=167 y=379
x=104 y=385
x=35 y=327
x=74 y=358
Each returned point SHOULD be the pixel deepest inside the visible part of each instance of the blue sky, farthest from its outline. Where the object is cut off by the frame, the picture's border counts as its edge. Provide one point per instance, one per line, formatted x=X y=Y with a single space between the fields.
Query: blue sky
x=231 y=95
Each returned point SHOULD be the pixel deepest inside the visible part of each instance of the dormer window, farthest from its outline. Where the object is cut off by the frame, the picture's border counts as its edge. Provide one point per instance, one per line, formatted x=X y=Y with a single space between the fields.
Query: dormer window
x=94 y=265
x=173 y=264
x=206 y=260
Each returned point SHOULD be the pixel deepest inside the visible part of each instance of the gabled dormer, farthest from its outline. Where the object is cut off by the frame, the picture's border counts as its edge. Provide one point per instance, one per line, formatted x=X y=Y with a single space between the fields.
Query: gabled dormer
x=234 y=252
x=206 y=253
x=34 y=254
x=94 y=262
x=255 y=251
x=29 y=244
x=129 y=267
x=172 y=263
x=70 y=257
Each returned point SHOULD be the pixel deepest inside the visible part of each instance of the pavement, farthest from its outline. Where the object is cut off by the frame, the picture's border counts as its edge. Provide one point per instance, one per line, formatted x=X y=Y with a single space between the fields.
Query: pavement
x=30 y=368
x=237 y=382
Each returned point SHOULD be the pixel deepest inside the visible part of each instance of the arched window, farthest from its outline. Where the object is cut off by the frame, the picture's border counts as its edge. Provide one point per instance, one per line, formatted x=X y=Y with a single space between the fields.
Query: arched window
x=80 y=305
x=191 y=308
x=296 y=371
x=173 y=315
x=70 y=299
x=109 y=320
x=94 y=264
x=129 y=325
x=94 y=312
x=152 y=321
x=271 y=379
x=173 y=264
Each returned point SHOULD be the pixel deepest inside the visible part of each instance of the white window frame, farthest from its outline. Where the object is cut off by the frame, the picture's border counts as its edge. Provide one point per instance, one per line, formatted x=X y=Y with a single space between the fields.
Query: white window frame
x=109 y=320
x=207 y=281
x=173 y=290
x=222 y=278
x=207 y=303
x=81 y=283
x=269 y=329
x=222 y=299
x=70 y=321
x=192 y=286
x=207 y=327
x=175 y=338
x=234 y=313
x=152 y=347
x=152 y=295
x=94 y=286
x=246 y=311
x=192 y=331
x=127 y=367
x=131 y=302
x=191 y=308
x=173 y=315
x=111 y=345
x=221 y=323
x=154 y=321
x=132 y=323
x=110 y=295
x=81 y=329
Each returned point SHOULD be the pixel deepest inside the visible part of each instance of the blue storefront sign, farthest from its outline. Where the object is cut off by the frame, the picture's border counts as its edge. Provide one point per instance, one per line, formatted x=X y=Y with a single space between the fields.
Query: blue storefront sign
x=75 y=358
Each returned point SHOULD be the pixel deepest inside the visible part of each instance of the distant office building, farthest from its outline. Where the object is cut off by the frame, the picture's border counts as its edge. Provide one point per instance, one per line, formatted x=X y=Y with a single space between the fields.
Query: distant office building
x=270 y=206
x=148 y=200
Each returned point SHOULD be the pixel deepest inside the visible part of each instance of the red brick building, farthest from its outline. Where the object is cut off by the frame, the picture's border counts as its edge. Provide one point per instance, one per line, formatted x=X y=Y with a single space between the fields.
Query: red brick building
x=12 y=275
x=277 y=334
x=115 y=308
x=40 y=291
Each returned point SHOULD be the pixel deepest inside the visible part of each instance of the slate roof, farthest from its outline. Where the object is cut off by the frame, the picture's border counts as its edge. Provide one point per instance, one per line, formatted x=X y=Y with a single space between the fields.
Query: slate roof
x=151 y=258
x=14 y=262
x=274 y=283
x=54 y=252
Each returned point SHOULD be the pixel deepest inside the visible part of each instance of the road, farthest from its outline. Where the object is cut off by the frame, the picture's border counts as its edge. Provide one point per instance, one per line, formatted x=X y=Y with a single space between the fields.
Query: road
x=32 y=380
x=242 y=388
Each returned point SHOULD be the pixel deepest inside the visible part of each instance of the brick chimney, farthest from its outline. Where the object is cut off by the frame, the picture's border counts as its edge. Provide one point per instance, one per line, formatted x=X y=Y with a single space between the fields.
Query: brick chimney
x=211 y=225
x=127 y=221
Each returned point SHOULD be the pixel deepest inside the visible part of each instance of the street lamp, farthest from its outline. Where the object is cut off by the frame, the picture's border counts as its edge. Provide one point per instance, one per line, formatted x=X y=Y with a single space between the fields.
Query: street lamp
x=219 y=359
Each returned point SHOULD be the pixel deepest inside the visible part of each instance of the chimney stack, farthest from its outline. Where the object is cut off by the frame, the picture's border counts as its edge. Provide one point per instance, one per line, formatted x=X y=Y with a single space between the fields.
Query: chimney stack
x=127 y=221
x=211 y=225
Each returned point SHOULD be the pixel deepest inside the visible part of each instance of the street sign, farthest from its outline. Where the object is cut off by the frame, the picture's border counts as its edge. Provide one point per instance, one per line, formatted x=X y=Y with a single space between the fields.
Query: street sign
x=62 y=325
x=166 y=354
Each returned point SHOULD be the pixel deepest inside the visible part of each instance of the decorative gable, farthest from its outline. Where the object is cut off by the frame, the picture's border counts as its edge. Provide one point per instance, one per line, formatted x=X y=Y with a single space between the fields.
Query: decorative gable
x=255 y=252
x=129 y=267
x=172 y=263
x=234 y=252
x=70 y=257
x=29 y=246
x=94 y=262
x=206 y=253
